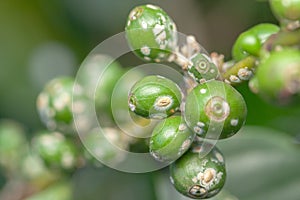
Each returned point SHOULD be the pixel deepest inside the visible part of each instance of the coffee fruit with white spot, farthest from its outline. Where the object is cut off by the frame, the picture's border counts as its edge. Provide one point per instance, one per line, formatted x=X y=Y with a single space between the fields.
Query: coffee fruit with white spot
x=170 y=139
x=56 y=150
x=196 y=176
x=151 y=33
x=154 y=97
x=54 y=104
x=202 y=68
x=215 y=110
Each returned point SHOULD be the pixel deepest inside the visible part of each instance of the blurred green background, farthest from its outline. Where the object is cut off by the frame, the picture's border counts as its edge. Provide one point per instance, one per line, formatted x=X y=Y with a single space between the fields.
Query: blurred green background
x=40 y=40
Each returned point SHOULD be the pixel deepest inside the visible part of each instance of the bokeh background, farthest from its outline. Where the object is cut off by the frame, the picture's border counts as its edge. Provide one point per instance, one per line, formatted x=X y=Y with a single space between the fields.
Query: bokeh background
x=40 y=40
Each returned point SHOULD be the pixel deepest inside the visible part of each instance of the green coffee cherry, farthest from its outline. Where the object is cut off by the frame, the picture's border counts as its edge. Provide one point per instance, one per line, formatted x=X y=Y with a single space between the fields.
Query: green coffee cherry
x=155 y=97
x=151 y=33
x=199 y=177
x=286 y=10
x=98 y=73
x=103 y=145
x=215 y=110
x=170 y=139
x=279 y=76
x=13 y=144
x=251 y=41
x=202 y=68
x=54 y=104
x=56 y=150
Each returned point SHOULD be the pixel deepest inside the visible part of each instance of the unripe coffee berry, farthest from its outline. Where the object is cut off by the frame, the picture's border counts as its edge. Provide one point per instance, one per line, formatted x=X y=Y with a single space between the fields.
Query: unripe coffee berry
x=151 y=33
x=199 y=177
x=154 y=97
x=278 y=76
x=215 y=110
x=202 y=68
x=55 y=150
x=170 y=139
x=286 y=10
x=251 y=41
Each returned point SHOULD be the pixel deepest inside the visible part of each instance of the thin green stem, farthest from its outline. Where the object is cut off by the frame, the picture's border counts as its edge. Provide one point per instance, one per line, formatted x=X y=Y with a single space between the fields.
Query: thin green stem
x=240 y=71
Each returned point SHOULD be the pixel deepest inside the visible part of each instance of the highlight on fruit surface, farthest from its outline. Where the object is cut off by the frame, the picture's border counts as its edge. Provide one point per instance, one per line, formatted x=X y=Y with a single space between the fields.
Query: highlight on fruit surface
x=199 y=177
x=250 y=42
x=215 y=110
x=154 y=97
x=151 y=33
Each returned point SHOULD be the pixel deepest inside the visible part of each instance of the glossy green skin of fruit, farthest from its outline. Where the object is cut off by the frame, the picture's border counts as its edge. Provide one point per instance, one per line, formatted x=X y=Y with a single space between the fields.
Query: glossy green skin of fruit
x=278 y=76
x=286 y=10
x=170 y=139
x=199 y=177
x=56 y=150
x=54 y=103
x=151 y=33
x=155 y=97
x=251 y=41
x=202 y=69
x=215 y=110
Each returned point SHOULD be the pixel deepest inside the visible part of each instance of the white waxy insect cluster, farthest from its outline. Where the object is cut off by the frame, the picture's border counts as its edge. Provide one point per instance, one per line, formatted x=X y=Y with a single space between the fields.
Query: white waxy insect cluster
x=163 y=103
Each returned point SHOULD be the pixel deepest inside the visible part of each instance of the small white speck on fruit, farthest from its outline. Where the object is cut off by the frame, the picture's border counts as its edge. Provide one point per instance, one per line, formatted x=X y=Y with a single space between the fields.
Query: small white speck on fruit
x=144 y=25
x=62 y=101
x=182 y=127
x=234 y=122
x=147 y=58
x=234 y=79
x=42 y=101
x=145 y=50
x=132 y=107
x=162 y=17
x=162 y=103
x=200 y=124
x=203 y=91
x=67 y=160
x=161 y=37
x=245 y=73
x=161 y=55
x=198 y=130
x=227 y=81
x=219 y=157
x=152 y=7
x=158 y=29
x=172 y=180
x=155 y=156
x=185 y=145
x=218 y=177
x=135 y=13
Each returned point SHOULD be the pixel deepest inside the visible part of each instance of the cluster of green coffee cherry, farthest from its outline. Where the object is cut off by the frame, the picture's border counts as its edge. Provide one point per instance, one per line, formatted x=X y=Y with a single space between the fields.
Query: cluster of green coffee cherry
x=208 y=106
